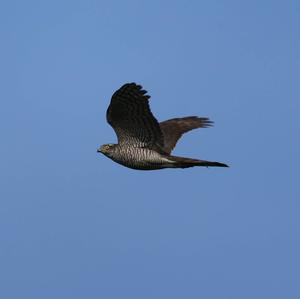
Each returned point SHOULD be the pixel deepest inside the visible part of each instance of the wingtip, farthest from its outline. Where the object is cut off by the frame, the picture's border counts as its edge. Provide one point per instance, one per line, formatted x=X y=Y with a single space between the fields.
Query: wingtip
x=203 y=122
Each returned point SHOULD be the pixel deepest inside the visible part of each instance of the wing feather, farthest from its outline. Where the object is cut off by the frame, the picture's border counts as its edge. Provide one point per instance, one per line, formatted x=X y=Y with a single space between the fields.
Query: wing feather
x=130 y=116
x=174 y=128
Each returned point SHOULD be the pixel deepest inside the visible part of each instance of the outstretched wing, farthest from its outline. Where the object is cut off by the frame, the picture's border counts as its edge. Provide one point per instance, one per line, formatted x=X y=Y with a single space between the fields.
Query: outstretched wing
x=174 y=128
x=130 y=116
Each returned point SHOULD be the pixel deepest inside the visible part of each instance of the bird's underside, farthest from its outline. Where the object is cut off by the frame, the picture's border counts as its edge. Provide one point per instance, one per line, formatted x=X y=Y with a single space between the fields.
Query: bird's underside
x=167 y=162
x=143 y=143
x=148 y=159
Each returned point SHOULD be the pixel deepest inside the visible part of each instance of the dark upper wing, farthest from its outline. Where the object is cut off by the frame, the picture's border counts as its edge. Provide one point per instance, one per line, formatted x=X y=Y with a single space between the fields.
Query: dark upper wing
x=174 y=128
x=130 y=116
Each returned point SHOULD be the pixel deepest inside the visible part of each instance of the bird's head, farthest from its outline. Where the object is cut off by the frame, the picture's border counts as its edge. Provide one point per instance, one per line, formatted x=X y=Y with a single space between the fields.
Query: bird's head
x=106 y=149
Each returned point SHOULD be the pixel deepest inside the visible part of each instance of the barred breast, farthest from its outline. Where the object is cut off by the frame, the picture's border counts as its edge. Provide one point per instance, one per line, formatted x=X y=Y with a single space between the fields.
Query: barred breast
x=140 y=158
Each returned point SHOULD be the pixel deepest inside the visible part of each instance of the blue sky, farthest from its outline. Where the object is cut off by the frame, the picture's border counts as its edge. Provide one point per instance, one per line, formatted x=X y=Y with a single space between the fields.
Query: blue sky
x=73 y=224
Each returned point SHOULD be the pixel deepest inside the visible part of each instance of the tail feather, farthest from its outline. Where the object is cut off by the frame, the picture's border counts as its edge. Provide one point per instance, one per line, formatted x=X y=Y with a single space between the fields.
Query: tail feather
x=182 y=162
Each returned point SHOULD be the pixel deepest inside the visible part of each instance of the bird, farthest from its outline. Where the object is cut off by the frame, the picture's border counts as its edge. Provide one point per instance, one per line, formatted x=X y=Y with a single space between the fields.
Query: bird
x=143 y=142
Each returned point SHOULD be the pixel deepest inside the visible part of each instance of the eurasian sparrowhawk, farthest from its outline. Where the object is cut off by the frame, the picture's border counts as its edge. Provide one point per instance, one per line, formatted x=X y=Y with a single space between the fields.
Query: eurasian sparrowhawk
x=143 y=142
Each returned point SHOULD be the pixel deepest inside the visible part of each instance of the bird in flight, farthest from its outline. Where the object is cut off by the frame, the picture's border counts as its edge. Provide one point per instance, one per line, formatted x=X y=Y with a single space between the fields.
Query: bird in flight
x=143 y=142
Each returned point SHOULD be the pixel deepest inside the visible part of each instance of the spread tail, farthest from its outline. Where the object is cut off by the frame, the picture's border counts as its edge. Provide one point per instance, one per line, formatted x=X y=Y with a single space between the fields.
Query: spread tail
x=187 y=162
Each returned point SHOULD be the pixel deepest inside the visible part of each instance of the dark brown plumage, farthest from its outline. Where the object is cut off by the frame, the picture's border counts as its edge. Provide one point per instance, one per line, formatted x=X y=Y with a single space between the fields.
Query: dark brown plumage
x=143 y=143
x=130 y=116
x=174 y=128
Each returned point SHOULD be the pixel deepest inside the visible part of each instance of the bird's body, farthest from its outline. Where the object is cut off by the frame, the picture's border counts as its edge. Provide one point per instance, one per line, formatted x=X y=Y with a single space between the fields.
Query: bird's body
x=143 y=143
x=138 y=158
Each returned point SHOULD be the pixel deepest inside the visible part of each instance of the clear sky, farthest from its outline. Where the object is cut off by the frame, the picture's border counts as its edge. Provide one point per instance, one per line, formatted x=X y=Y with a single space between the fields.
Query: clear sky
x=73 y=224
